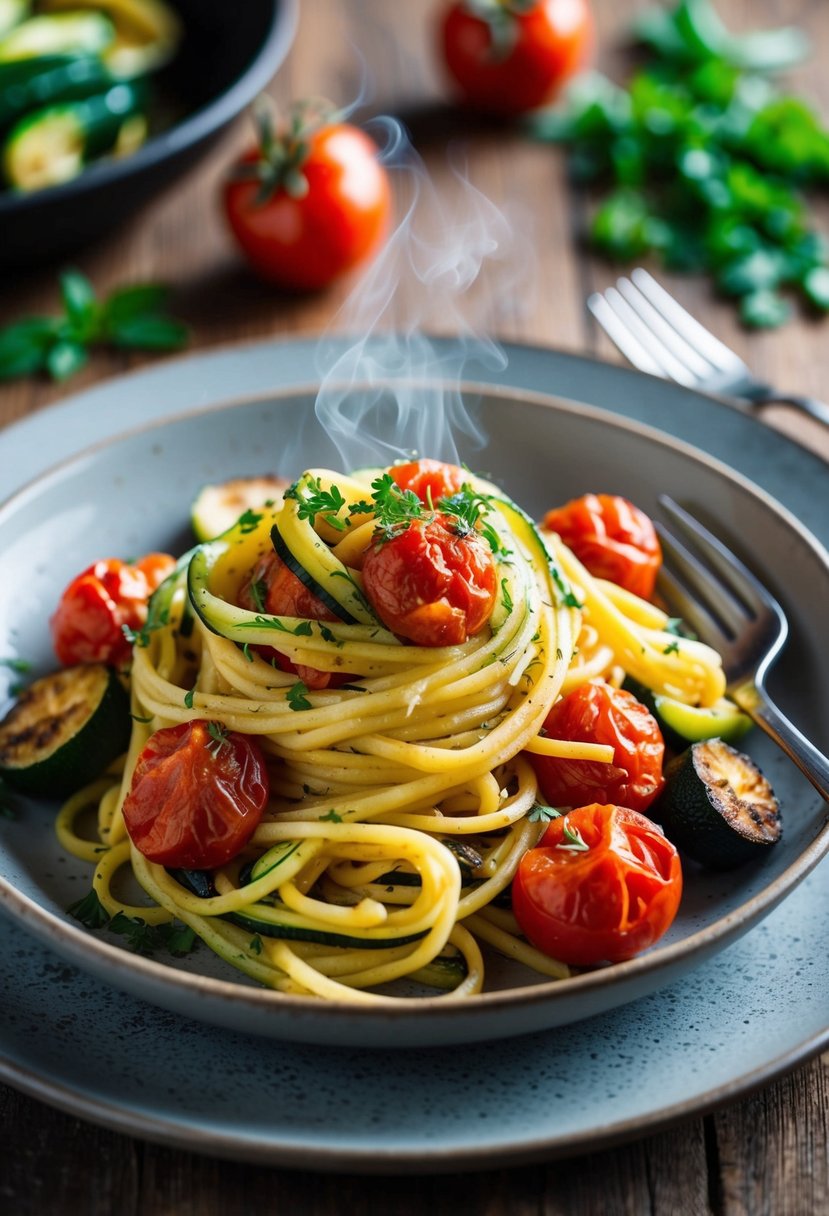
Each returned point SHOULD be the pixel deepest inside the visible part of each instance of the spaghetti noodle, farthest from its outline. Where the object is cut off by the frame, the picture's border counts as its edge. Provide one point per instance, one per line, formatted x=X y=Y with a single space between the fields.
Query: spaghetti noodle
x=402 y=799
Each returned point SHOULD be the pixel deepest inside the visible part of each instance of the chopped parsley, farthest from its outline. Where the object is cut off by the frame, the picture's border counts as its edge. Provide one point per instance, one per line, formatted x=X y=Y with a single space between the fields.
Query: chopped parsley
x=218 y=735
x=331 y=817
x=258 y=591
x=671 y=648
x=543 y=814
x=188 y=698
x=575 y=841
x=394 y=508
x=296 y=696
x=317 y=501
x=249 y=521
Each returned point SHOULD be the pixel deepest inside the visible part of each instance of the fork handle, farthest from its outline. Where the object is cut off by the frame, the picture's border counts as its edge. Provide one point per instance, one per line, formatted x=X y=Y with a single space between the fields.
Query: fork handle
x=812 y=763
x=807 y=405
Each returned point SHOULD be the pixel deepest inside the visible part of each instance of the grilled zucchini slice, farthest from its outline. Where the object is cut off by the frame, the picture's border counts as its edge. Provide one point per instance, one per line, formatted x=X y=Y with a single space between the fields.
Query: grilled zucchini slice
x=717 y=807
x=64 y=730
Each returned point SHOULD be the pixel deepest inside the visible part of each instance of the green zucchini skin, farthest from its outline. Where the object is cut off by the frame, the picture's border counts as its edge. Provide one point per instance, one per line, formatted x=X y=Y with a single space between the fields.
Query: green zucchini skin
x=717 y=807
x=683 y=724
x=64 y=730
x=32 y=84
x=89 y=128
x=285 y=555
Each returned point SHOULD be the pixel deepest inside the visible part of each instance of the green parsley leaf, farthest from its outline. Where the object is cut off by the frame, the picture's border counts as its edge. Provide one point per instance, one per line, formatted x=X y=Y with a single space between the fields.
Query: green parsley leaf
x=394 y=508
x=90 y=911
x=314 y=500
x=543 y=814
x=188 y=698
x=671 y=648
x=255 y=945
x=218 y=735
x=296 y=696
x=331 y=817
x=575 y=841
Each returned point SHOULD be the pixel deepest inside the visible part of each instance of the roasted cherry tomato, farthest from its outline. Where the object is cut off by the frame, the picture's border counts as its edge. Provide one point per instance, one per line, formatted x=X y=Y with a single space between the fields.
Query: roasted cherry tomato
x=514 y=55
x=197 y=795
x=430 y=584
x=271 y=587
x=612 y=538
x=308 y=204
x=602 y=885
x=430 y=480
x=596 y=712
x=88 y=624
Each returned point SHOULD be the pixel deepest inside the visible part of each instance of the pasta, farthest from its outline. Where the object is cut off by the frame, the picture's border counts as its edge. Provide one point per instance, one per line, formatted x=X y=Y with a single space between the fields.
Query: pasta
x=402 y=799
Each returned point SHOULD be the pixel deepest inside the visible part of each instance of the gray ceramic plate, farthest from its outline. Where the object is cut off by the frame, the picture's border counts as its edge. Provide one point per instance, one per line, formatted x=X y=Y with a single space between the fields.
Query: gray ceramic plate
x=244 y=411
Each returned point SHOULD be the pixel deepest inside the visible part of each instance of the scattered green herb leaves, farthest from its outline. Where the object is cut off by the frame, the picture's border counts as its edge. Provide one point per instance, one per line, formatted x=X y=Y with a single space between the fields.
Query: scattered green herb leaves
x=130 y=317
x=701 y=160
x=543 y=814
x=296 y=696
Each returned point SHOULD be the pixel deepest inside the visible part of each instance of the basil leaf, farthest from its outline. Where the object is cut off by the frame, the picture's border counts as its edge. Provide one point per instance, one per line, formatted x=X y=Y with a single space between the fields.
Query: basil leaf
x=149 y=333
x=137 y=300
x=764 y=309
x=78 y=296
x=23 y=347
x=65 y=358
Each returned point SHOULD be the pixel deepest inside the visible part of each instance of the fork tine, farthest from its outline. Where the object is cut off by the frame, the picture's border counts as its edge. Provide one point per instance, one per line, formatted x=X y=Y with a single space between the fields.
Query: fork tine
x=690 y=612
x=665 y=332
x=631 y=347
x=686 y=580
x=668 y=366
x=716 y=352
x=747 y=589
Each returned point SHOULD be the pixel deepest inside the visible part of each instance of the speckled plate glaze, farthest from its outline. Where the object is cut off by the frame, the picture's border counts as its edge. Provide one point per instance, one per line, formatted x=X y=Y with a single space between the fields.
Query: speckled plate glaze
x=147 y=442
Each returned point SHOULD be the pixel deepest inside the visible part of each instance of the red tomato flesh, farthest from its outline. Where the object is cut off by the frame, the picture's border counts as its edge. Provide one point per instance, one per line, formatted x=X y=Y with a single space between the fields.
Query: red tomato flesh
x=596 y=712
x=196 y=798
x=430 y=480
x=272 y=588
x=603 y=903
x=430 y=585
x=612 y=538
x=88 y=623
x=303 y=243
x=543 y=47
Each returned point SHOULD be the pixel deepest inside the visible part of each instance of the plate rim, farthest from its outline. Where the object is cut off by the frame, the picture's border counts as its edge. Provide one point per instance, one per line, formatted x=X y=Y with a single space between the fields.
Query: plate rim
x=651 y=965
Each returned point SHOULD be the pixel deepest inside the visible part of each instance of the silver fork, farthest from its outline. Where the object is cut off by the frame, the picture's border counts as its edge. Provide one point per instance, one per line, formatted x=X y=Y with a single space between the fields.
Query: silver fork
x=726 y=606
x=657 y=335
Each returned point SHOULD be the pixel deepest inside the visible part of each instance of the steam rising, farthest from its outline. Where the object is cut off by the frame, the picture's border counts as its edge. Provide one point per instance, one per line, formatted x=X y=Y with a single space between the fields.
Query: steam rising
x=395 y=391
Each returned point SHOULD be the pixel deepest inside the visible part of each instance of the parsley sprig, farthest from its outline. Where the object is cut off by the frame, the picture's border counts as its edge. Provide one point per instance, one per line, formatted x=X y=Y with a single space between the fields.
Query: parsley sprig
x=140 y=936
x=132 y=317
x=314 y=500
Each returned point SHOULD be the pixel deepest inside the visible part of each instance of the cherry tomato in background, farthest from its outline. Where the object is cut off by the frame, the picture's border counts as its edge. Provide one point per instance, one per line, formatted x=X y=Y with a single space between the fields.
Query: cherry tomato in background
x=599 y=713
x=88 y=624
x=272 y=588
x=309 y=203
x=510 y=56
x=197 y=794
x=429 y=479
x=602 y=885
x=612 y=538
x=431 y=585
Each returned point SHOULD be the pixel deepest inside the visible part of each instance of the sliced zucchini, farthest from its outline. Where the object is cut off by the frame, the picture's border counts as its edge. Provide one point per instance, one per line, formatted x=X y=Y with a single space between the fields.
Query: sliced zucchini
x=52 y=145
x=682 y=724
x=147 y=32
x=717 y=807
x=64 y=730
x=218 y=507
x=31 y=84
x=58 y=34
x=315 y=586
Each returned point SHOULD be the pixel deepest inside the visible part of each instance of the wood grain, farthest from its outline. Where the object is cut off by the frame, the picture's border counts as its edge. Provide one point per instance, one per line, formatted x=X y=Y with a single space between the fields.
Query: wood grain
x=766 y=1154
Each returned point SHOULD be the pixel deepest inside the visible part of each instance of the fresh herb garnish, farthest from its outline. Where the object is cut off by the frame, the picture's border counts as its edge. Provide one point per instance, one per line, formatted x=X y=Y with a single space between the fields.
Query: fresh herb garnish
x=671 y=648
x=90 y=911
x=543 y=814
x=131 y=317
x=702 y=160
x=258 y=590
x=575 y=841
x=296 y=696
x=331 y=817
x=467 y=509
x=314 y=500
x=394 y=508
x=249 y=520
x=218 y=736
x=505 y=596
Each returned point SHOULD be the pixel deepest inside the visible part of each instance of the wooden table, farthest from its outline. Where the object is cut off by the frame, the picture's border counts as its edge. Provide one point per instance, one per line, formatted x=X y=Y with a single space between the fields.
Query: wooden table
x=764 y=1154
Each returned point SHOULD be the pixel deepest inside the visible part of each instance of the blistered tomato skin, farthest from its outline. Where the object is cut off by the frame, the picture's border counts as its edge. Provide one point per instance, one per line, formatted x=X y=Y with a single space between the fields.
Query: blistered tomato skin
x=596 y=712
x=602 y=885
x=430 y=585
x=196 y=796
x=612 y=538
x=541 y=46
x=429 y=479
x=93 y=611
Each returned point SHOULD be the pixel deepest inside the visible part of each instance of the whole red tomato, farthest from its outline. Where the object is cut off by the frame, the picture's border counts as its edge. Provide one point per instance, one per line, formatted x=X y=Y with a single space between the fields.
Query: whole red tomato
x=602 y=885
x=429 y=479
x=197 y=795
x=308 y=205
x=110 y=595
x=596 y=712
x=271 y=587
x=430 y=584
x=612 y=538
x=510 y=56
